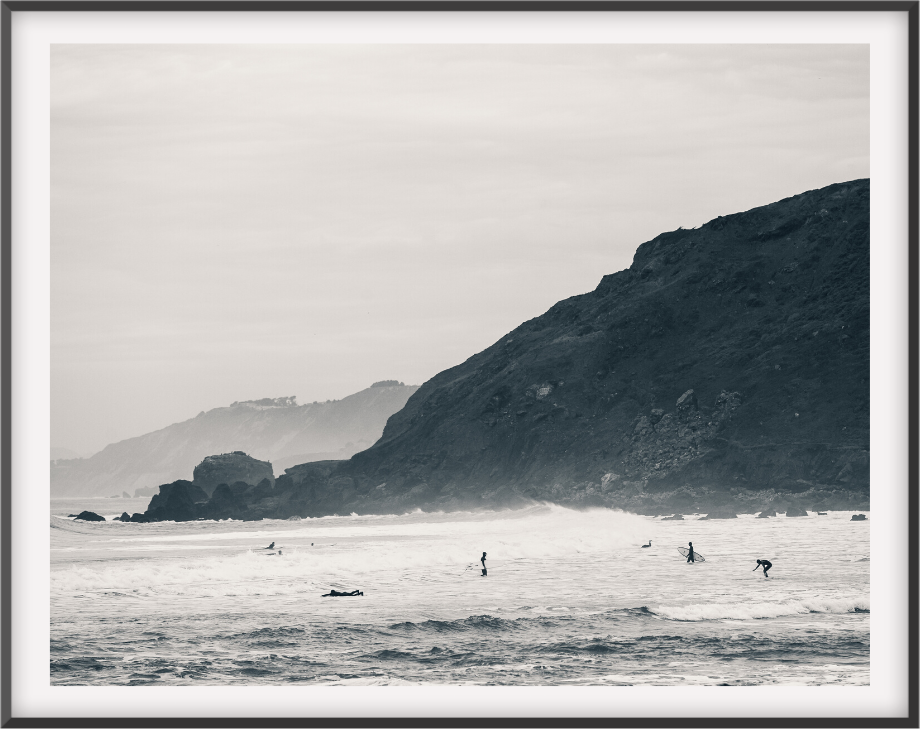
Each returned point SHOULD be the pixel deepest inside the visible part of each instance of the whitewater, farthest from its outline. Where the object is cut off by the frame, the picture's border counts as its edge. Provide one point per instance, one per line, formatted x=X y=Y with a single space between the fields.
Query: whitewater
x=571 y=598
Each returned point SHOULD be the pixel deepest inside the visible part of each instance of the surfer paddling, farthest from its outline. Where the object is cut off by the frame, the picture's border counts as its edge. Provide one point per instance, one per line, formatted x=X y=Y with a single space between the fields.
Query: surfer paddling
x=336 y=593
x=765 y=564
x=691 y=557
x=483 y=561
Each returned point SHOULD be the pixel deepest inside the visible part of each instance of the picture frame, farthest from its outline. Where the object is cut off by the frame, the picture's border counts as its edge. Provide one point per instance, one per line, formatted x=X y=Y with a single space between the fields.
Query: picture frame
x=29 y=27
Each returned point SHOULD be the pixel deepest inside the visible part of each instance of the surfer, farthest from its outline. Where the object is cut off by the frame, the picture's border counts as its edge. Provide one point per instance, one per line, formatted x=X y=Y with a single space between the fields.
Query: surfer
x=336 y=593
x=483 y=561
x=647 y=546
x=271 y=546
x=765 y=564
x=691 y=552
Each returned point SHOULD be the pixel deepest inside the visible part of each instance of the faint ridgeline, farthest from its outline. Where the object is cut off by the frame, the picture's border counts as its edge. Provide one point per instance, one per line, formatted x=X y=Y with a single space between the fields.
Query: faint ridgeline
x=271 y=429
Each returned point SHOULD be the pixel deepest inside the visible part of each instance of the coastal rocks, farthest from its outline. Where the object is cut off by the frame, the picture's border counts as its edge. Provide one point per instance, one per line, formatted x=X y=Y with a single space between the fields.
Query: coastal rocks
x=767 y=513
x=123 y=517
x=175 y=502
x=228 y=468
x=227 y=502
x=90 y=516
x=859 y=517
x=675 y=517
x=796 y=511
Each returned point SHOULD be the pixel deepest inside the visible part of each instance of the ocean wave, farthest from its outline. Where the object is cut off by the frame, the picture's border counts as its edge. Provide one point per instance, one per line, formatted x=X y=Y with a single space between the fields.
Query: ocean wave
x=759 y=610
x=474 y=622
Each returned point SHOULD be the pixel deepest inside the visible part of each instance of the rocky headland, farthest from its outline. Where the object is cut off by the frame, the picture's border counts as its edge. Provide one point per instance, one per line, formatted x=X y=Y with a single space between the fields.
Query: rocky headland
x=725 y=372
x=271 y=429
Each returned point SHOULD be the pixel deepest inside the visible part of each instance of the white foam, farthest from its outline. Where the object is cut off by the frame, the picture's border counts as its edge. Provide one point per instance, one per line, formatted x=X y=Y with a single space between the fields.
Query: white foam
x=756 y=610
x=367 y=548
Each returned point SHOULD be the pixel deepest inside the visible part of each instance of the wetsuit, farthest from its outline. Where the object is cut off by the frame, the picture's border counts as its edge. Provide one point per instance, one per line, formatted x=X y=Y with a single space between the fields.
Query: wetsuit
x=691 y=553
x=334 y=593
x=767 y=565
x=483 y=561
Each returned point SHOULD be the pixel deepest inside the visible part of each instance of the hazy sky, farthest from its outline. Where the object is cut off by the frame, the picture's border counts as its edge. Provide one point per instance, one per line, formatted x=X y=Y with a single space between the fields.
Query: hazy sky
x=237 y=222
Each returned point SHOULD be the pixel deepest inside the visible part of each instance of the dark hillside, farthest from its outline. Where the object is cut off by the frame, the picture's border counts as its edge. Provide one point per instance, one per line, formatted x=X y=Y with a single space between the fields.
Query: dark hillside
x=763 y=314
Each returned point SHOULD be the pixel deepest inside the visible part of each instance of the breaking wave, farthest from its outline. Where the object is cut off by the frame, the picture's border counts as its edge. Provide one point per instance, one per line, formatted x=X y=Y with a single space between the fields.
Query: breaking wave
x=759 y=610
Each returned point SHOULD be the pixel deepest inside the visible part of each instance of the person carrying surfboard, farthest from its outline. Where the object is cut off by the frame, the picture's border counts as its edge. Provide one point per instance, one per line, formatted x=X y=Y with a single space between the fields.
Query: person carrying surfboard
x=691 y=552
x=483 y=560
x=765 y=564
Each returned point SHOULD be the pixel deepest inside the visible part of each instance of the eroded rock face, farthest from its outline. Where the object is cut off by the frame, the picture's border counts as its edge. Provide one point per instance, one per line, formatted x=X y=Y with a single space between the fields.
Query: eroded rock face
x=90 y=516
x=229 y=468
x=796 y=511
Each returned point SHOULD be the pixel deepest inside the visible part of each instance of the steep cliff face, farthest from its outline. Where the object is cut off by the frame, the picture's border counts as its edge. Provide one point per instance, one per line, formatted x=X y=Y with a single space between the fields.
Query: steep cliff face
x=276 y=429
x=728 y=365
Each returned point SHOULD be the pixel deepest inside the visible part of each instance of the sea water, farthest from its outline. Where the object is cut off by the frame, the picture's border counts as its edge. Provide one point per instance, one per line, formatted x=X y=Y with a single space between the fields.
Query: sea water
x=570 y=597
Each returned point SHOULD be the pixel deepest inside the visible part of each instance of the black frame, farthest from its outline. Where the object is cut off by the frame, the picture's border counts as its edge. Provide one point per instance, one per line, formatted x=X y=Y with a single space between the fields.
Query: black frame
x=9 y=7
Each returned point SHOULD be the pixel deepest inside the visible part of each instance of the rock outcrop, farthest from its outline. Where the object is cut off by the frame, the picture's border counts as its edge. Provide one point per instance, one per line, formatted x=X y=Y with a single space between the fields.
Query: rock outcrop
x=767 y=513
x=230 y=468
x=177 y=501
x=859 y=517
x=796 y=511
x=90 y=516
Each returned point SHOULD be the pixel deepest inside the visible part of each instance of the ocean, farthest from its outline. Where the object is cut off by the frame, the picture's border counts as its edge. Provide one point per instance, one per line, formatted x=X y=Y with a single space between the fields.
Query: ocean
x=571 y=598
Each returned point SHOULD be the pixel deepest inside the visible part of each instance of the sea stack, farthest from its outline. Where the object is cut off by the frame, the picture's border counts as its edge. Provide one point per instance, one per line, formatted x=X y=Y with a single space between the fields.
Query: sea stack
x=230 y=468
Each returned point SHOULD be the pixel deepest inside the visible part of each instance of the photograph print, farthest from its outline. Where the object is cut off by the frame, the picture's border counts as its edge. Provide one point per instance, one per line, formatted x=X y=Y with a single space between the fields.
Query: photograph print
x=460 y=365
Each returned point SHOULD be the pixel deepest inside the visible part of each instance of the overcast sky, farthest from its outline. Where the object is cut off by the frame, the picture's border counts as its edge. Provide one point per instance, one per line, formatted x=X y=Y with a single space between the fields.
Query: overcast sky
x=238 y=222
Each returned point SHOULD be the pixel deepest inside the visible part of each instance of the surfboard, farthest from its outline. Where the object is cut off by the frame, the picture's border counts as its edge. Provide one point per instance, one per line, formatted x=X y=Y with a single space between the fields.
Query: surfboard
x=698 y=557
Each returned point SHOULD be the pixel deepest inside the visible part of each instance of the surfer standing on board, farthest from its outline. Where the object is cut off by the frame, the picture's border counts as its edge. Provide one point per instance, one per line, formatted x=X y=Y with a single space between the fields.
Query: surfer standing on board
x=483 y=560
x=763 y=563
x=691 y=552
